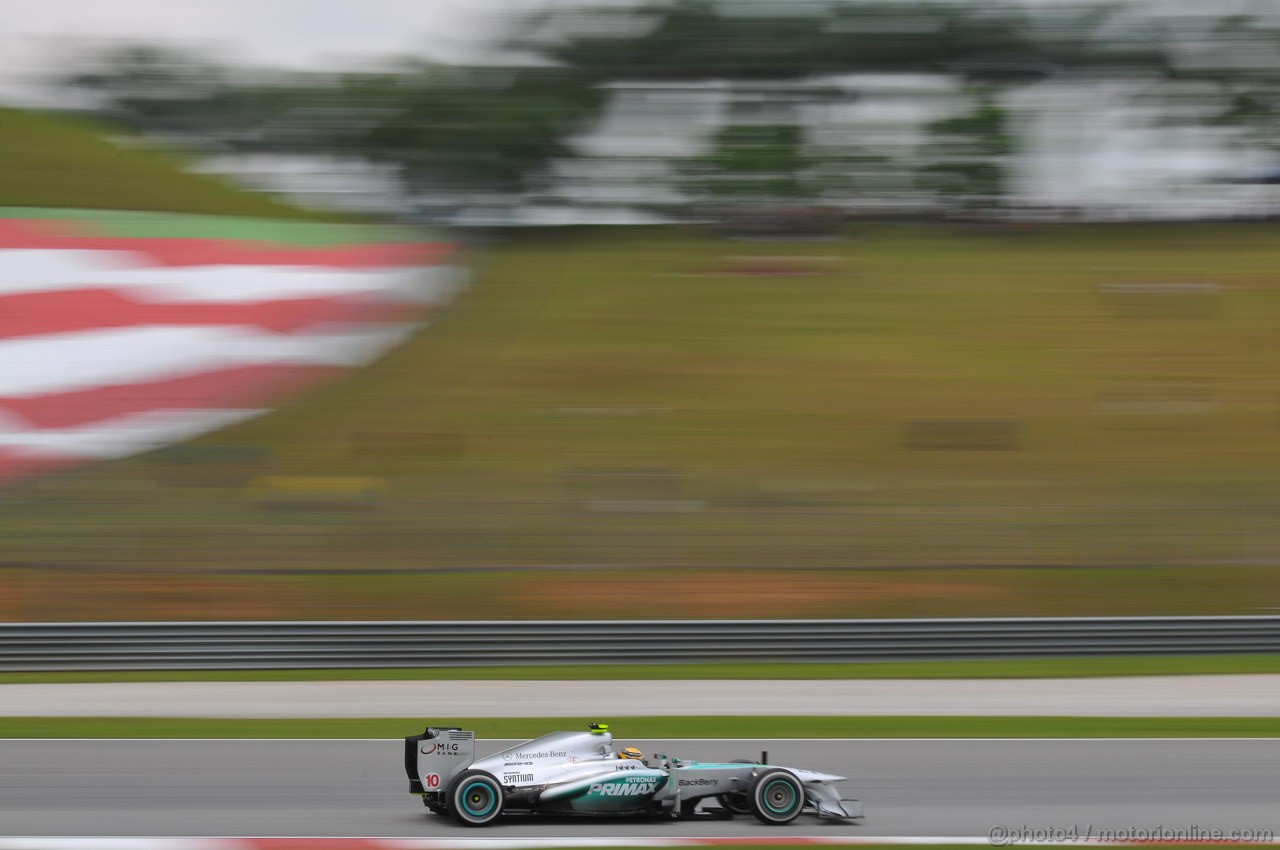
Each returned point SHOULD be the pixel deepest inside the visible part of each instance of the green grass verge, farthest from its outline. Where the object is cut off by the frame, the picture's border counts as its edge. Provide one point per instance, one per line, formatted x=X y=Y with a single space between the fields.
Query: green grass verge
x=136 y=224
x=655 y=727
x=48 y=161
x=1033 y=668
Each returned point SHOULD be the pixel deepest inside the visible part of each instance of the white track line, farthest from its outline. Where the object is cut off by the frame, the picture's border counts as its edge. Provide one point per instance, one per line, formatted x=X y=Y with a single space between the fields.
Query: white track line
x=355 y=843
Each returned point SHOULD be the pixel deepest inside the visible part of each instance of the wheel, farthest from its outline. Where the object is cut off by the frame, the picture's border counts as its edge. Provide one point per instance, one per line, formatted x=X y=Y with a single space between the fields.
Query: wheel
x=776 y=796
x=736 y=802
x=475 y=798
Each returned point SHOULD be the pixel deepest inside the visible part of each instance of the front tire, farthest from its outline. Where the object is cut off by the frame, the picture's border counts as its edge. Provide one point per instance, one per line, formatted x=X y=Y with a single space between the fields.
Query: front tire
x=475 y=798
x=776 y=797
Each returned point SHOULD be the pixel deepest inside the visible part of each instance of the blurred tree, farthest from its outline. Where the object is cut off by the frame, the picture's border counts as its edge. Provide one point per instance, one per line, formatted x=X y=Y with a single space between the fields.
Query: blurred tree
x=1246 y=68
x=478 y=129
x=149 y=87
x=965 y=158
x=700 y=39
x=445 y=128
x=753 y=163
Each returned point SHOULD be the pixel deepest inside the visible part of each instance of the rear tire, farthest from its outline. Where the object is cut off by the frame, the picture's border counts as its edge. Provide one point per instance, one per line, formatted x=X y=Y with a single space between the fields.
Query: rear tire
x=475 y=798
x=776 y=797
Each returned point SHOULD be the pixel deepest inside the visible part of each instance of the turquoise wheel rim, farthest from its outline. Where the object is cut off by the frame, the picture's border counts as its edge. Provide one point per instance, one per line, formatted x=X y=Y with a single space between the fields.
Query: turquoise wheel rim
x=780 y=797
x=478 y=799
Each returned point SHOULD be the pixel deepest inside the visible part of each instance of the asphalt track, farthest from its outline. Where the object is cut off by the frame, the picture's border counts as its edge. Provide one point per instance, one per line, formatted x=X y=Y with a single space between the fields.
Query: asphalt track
x=1120 y=696
x=910 y=788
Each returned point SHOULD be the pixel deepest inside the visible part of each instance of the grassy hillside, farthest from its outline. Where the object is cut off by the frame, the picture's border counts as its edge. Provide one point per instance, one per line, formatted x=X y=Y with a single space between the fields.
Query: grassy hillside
x=62 y=162
x=630 y=423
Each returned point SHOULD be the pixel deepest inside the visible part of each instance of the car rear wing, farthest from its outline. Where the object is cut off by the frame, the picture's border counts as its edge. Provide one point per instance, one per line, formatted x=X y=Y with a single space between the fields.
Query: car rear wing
x=436 y=756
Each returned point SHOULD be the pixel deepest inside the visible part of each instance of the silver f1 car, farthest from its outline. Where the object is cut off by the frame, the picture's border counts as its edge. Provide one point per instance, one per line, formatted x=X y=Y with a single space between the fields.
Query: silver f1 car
x=579 y=773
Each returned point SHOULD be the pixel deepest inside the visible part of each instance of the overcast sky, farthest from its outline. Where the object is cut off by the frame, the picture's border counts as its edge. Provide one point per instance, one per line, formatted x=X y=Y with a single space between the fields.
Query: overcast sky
x=39 y=36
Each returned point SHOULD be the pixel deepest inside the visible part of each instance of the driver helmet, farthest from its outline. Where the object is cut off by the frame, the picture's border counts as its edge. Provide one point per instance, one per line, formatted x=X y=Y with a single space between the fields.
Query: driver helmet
x=630 y=753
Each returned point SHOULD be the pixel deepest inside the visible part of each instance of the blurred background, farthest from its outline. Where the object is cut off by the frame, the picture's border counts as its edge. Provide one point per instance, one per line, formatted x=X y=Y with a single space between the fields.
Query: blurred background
x=775 y=309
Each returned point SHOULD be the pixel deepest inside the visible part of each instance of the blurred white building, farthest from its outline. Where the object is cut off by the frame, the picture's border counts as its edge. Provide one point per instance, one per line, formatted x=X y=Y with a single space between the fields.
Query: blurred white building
x=315 y=182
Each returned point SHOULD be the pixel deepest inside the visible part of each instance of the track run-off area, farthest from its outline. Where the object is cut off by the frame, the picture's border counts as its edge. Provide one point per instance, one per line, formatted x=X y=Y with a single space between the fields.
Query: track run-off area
x=956 y=790
x=1255 y=695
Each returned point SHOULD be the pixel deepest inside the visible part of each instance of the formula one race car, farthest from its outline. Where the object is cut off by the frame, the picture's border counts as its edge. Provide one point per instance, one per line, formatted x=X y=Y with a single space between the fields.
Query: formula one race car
x=579 y=773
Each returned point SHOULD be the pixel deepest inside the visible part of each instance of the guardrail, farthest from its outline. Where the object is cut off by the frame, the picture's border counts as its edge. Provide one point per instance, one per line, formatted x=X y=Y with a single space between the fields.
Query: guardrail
x=241 y=645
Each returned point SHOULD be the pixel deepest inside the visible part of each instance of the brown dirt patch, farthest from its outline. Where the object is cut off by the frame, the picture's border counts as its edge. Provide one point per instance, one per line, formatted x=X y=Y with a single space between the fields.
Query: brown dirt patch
x=747 y=595
x=76 y=596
